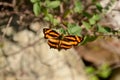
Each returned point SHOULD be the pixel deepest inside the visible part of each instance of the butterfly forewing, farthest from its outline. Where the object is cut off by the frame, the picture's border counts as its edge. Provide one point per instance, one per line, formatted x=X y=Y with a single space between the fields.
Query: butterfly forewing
x=50 y=33
x=79 y=39
x=73 y=40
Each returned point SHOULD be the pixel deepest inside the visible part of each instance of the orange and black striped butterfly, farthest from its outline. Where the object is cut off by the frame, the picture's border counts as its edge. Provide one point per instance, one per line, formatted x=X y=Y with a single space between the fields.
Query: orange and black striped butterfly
x=59 y=41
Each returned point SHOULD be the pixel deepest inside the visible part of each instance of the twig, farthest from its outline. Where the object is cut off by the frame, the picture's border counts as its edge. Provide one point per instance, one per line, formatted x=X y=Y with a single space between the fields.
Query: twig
x=14 y=3
x=8 y=24
x=6 y=4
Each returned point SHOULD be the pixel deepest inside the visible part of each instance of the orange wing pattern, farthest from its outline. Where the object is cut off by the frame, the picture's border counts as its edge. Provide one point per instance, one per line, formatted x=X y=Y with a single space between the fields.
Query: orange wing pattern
x=74 y=40
x=50 y=33
x=57 y=41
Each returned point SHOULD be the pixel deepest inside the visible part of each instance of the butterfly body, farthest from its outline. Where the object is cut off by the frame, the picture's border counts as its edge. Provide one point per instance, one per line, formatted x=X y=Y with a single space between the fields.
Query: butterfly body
x=59 y=41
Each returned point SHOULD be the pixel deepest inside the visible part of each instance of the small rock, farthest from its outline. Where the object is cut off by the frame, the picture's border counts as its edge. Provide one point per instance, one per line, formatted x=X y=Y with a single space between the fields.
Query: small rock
x=23 y=37
x=35 y=26
x=8 y=31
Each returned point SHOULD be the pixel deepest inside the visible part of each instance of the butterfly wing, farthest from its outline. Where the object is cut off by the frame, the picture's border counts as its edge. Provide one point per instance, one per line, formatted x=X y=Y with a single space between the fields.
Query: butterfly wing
x=48 y=33
x=73 y=40
x=53 y=43
x=64 y=45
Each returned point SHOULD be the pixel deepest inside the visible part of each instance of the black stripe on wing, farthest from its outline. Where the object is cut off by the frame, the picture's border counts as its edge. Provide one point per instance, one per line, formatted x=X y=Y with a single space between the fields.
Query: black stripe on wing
x=48 y=33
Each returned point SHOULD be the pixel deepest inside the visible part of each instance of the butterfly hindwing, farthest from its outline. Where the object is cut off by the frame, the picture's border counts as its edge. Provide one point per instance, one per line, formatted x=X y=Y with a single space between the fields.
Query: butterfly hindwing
x=53 y=43
x=65 y=45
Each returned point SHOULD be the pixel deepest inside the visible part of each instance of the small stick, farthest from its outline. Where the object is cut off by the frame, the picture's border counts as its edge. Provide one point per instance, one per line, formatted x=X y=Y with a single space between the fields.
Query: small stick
x=8 y=24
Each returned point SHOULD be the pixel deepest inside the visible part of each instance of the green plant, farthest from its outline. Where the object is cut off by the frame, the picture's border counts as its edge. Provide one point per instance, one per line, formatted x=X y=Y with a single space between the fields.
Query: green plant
x=77 y=18
x=103 y=71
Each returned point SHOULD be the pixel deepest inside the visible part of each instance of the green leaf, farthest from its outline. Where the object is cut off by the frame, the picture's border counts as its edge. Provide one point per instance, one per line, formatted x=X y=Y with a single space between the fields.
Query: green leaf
x=104 y=71
x=62 y=31
x=88 y=38
x=87 y=25
x=66 y=13
x=90 y=70
x=94 y=19
x=74 y=29
x=86 y=14
x=55 y=22
x=103 y=29
x=99 y=7
x=94 y=77
x=34 y=1
x=78 y=6
x=36 y=9
x=52 y=4
x=94 y=1
x=49 y=17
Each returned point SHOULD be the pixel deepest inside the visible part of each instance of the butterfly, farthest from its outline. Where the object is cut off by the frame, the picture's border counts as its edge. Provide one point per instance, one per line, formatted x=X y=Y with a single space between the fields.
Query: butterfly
x=59 y=41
